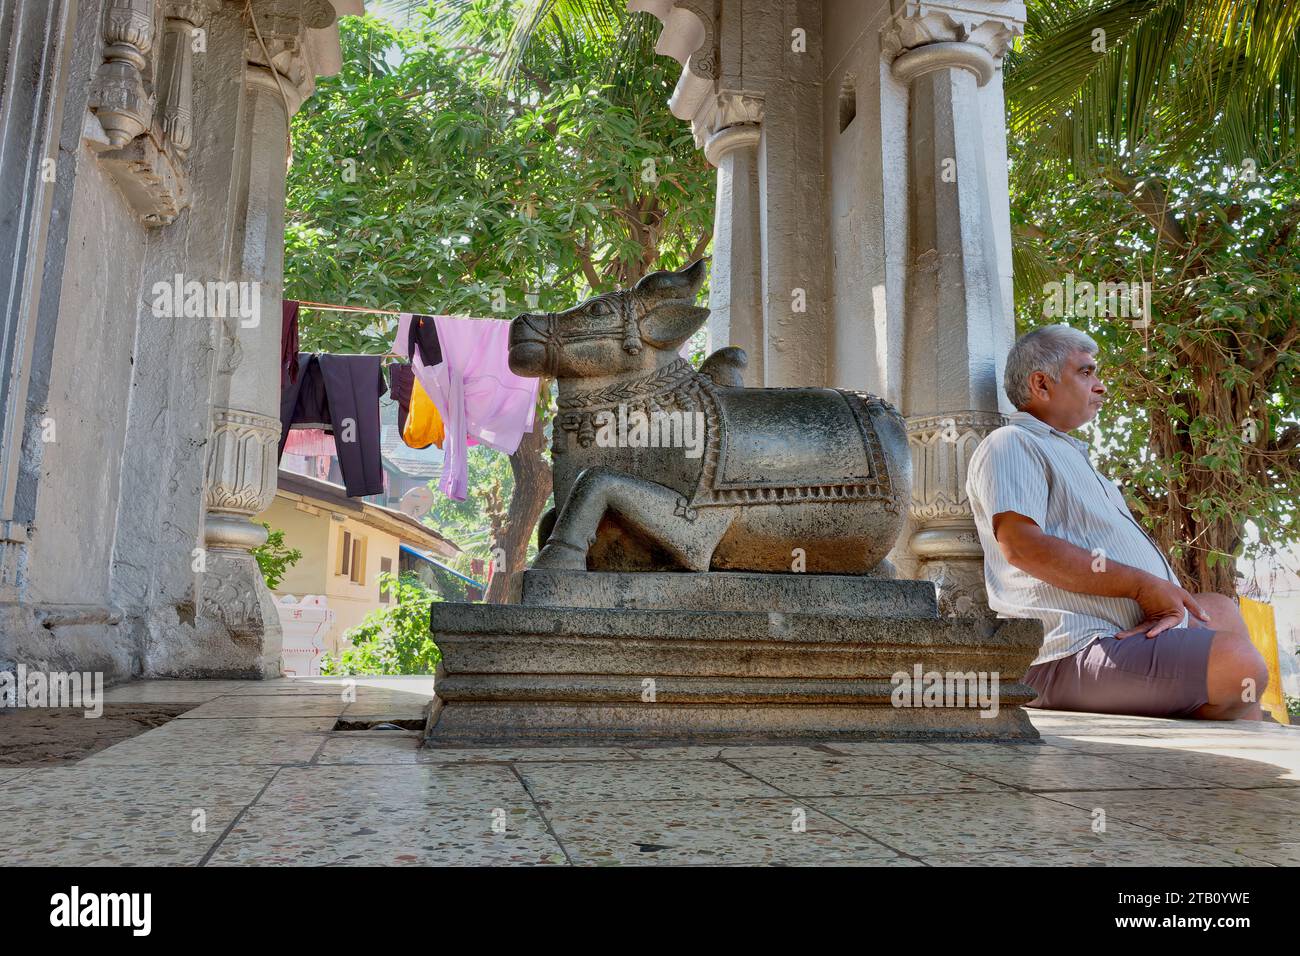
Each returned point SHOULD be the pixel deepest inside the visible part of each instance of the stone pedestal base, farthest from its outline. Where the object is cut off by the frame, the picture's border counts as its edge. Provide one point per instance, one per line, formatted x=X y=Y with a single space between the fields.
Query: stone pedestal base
x=718 y=656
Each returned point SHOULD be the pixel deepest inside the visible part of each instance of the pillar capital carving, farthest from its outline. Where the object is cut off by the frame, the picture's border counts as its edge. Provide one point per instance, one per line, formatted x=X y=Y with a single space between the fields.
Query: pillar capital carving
x=728 y=120
x=944 y=539
x=241 y=476
x=944 y=55
x=989 y=24
x=288 y=28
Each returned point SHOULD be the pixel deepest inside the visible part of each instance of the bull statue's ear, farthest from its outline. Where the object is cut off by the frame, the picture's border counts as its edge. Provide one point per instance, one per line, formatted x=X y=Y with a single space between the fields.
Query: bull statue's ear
x=669 y=325
x=667 y=285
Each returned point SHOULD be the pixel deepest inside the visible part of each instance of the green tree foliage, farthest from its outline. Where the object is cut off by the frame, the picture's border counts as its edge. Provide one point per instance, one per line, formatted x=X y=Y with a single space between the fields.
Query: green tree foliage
x=273 y=558
x=420 y=183
x=393 y=639
x=1099 y=81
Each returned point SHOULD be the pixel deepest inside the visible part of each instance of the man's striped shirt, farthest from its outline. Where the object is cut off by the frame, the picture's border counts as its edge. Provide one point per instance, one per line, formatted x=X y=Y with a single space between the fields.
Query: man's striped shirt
x=1034 y=470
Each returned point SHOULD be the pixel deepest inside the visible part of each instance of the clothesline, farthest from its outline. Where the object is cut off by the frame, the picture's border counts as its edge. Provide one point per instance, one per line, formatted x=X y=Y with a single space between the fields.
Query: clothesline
x=327 y=307
x=330 y=307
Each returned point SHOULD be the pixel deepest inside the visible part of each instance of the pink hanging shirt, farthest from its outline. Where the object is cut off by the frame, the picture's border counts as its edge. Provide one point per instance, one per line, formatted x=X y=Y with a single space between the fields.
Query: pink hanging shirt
x=474 y=390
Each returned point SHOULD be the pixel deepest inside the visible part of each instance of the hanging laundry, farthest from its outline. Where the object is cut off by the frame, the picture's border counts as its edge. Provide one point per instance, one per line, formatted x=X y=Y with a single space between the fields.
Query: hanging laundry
x=310 y=443
x=340 y=394
x=288 y=342
x=422 y=340
x=475 y=391
x=418 y=420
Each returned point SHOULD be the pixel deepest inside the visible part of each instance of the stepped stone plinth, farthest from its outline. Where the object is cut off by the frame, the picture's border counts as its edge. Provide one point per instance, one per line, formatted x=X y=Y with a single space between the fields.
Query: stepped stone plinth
x=592 y=656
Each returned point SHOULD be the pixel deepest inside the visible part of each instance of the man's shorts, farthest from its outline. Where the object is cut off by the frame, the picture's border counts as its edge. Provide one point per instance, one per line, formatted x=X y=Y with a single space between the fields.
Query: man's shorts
x=1162 y=676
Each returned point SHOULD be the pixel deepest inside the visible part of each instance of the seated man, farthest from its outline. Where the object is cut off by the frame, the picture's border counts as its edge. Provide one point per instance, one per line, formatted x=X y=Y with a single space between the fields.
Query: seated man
x=1061 y=546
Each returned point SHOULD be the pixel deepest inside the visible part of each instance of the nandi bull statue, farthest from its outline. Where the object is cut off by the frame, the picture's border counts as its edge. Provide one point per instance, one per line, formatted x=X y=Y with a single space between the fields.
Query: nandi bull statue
x=658 y=466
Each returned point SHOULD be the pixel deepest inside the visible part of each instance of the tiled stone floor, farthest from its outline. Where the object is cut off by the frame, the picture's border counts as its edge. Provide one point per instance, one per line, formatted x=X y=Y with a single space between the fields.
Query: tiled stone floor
x=254 y=774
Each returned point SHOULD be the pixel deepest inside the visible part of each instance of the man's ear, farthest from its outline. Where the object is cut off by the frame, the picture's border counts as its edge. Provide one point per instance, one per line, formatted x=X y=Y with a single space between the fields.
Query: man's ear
x=669 y=325
x=1038 y=380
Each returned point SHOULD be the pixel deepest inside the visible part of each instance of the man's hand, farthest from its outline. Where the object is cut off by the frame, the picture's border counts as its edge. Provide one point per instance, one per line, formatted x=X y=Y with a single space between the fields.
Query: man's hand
x=1162 y=604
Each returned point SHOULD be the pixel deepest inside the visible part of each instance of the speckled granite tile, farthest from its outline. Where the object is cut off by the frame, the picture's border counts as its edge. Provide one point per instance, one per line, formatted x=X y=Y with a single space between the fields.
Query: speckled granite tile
x=639 y=780
x=302 y=705
x=929 y=824
x=394 y=787
x=1128 y=744
x=198 y=691
x=1220 y=817
x=1277 y=854
x=1285 y=793
x=346 y=748
x=1246 y=769
x=1108 y=725
x=1226 y=740
x=111 y=834
x=705 y=832
x=974 y=747
x=235 y=726
x=1066 y=771
x=366 y=835
x=374 y=711
x=521 y=754
x=720 y=751
x=879 y=748
x=854 y=776
x=182 y=750
x=1153 y=851
x=82 y=785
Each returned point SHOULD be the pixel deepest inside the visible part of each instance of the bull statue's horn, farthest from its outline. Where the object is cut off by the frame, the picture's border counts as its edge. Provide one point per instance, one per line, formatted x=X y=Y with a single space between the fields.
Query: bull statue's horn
x=666 y=284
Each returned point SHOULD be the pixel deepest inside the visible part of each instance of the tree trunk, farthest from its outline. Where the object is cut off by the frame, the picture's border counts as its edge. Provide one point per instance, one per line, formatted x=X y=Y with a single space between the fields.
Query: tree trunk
x=532 y=474
x=1179 y=524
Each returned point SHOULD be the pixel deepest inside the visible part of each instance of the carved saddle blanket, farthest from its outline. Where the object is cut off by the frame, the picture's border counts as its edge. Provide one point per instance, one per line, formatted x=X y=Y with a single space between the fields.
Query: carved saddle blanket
x=786 y=445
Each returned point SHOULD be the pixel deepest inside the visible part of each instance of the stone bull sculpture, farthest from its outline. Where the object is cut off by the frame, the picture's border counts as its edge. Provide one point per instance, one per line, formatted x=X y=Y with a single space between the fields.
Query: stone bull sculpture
x=658 y=466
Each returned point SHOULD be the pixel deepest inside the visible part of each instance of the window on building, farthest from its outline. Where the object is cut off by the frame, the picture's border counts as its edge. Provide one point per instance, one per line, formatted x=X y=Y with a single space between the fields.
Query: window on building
x=358 y=572
x=345 y=552
x=386 y=566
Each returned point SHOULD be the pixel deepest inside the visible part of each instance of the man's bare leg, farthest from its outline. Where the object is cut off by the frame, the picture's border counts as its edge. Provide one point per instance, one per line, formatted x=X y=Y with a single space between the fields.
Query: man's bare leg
x=1233 y=661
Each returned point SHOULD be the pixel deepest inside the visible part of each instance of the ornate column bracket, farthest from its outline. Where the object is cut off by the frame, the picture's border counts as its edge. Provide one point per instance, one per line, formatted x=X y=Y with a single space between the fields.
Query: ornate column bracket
x=142 y=101
x=689 y=36
x=944 y=539
x=990 y=25
x=120 y=97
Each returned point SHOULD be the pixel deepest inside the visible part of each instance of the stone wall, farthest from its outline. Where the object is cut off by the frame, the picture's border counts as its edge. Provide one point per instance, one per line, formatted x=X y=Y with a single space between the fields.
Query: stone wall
x=110 y=563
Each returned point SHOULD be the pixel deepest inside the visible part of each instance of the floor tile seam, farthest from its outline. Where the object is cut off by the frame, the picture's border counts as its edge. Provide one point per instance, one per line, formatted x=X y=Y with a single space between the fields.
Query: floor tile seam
x=541 y=812
x=801 y=800
x=203 y=861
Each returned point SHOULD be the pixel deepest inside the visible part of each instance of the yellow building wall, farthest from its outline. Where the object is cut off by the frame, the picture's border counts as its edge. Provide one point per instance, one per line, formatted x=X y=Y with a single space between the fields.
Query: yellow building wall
x=319 y=537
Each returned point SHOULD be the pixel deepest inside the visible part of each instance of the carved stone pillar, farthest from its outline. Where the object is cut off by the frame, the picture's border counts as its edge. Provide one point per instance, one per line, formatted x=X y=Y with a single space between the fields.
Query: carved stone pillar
x=242 y=460
x=944 y=541
x=959 y=322
x=736 y=287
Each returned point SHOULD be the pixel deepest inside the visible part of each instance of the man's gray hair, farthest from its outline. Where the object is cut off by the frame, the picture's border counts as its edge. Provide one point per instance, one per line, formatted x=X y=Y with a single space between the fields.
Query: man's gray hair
x=1042 y=350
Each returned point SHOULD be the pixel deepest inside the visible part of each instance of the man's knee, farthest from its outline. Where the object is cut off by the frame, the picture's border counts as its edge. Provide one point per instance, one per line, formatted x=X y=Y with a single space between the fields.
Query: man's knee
x=1238 y=674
